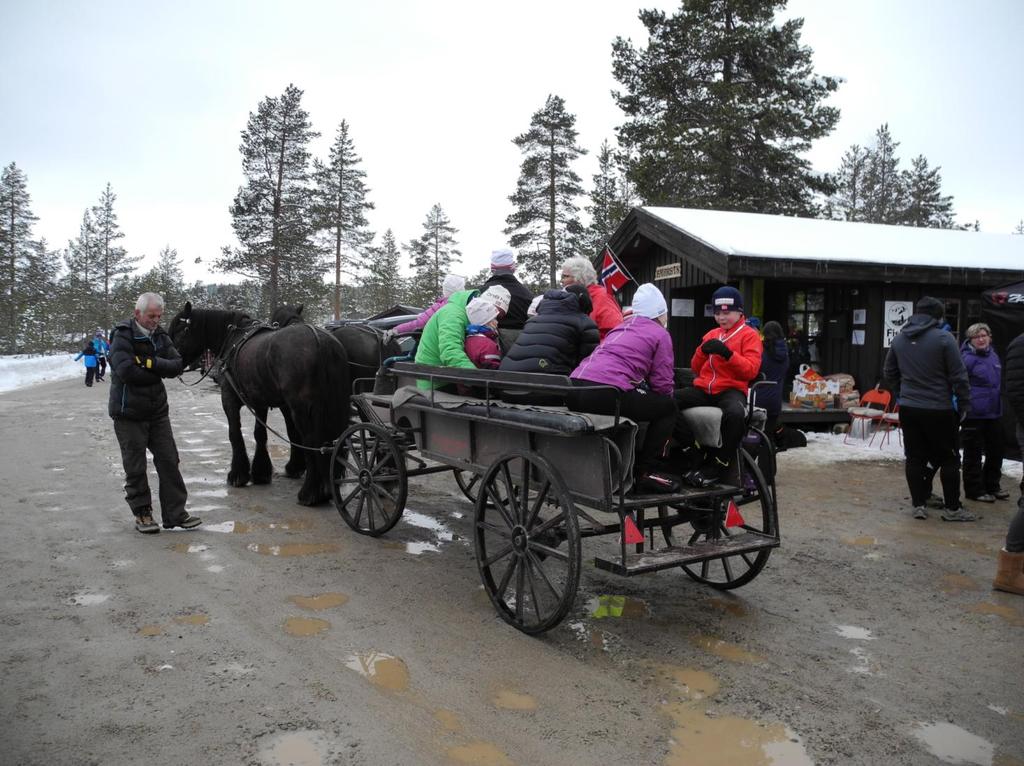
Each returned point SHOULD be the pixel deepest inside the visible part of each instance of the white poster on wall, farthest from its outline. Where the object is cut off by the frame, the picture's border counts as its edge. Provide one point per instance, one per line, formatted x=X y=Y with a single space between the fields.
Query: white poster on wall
x=897 y=313
x=860 y=316
x=682 y=307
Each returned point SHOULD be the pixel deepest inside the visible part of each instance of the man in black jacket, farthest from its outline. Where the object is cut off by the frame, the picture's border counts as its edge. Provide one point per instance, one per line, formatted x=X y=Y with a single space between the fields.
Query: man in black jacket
x=503 y=266
x=925 y=366
x=1010 y=572
x=141 y=355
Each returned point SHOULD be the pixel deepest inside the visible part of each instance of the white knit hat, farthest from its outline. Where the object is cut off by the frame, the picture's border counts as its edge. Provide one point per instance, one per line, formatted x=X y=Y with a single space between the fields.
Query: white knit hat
x=452 y=284
x=481 y=311
x=649 y=301
x=532 y=310
x=499 y=296
x=503 y=259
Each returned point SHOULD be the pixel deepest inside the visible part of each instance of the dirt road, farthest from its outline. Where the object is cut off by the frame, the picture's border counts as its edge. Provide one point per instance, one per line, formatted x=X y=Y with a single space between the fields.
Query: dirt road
x=274 y=635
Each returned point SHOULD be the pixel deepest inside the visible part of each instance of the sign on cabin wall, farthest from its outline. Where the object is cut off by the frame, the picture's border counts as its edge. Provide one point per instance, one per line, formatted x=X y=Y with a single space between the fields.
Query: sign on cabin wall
x=669 y=271
x=897 y=313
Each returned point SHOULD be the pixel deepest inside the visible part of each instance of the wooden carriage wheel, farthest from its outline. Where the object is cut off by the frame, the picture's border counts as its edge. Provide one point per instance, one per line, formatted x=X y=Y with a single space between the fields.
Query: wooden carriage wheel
x=527 y=541
x=368 y=479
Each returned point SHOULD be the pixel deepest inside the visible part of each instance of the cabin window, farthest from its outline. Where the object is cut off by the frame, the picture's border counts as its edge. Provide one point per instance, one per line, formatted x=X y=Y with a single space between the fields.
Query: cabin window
x=806 y=313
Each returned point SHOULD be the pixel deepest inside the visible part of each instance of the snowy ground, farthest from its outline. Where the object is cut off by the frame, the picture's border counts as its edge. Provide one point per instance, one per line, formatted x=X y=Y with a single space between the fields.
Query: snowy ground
x=24 y=370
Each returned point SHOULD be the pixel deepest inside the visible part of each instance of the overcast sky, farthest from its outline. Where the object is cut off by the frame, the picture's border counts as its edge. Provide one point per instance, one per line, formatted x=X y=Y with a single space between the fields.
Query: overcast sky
x=153 y=97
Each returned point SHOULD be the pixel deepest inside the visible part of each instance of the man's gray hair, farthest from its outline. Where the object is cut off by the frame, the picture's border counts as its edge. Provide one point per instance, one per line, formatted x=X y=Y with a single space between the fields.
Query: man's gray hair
x=148 y=299
x=581 y=270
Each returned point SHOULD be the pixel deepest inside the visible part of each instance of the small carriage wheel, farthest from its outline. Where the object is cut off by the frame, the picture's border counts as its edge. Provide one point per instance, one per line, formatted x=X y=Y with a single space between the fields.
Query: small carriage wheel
x=368 y=479
x=756 y=504
x=527 y=542
x=469 y=483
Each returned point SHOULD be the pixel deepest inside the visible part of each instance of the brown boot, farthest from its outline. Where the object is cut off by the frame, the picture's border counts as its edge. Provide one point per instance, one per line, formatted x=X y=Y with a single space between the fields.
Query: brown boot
x=1010 y=573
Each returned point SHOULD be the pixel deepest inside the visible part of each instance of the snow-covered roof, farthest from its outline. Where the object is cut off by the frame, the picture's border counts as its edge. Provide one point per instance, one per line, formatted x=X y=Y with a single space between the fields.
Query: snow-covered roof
x=776 y=236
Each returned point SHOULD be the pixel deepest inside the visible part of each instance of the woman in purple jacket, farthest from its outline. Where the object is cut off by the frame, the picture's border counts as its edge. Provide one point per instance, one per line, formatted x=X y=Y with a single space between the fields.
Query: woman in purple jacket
x=636 y=358
x=452 y=283
x=981 y=433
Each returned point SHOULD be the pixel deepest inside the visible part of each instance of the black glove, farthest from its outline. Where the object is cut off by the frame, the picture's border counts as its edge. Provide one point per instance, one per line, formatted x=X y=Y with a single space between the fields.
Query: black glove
x=145 y=362
x=716 y=347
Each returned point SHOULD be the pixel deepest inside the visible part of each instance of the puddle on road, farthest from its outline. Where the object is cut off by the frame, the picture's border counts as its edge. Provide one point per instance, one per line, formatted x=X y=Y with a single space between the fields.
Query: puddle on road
x=382 y=670
x=854 y=632
x=318 y=603
x=692 y=683
x=305 y=626
x=230 y=527
x=952 y=744
x=725 y=650
x=1011 y=615
x=507 y=699
x=414 y=548
x=448 y=719
x=624 y=607
x=479 y=753
x=958 y=583
x=88 y=599
x=423 y=521
x=150 y=630
x=191 y=547
x=295 y=748
x=221 y=492
x=192 y=619
x=864 y=540
x=735 y=608
x=293 y=549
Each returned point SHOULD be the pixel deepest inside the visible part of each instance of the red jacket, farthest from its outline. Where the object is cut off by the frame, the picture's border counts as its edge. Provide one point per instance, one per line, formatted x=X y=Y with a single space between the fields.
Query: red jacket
x=606 y=314
x=482 y=349
x=714 y=373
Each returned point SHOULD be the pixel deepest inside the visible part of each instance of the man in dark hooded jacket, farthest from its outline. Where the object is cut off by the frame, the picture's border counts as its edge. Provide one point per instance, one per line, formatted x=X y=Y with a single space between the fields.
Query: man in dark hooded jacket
x=925 y=367
x=503 y=266
x=141 y=355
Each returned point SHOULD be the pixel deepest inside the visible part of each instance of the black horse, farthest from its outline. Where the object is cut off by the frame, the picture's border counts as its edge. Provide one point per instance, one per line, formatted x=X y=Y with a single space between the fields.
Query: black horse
x=299 y=369
x=364 y=344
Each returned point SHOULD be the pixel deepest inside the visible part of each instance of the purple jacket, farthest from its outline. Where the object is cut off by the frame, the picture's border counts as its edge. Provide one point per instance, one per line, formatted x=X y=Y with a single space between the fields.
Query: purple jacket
x=638 y=349
x=421 y=321
x=985 y=374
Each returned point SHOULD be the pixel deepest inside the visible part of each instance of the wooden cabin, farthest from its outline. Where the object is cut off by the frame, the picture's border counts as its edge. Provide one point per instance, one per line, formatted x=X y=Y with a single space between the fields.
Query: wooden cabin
x=841 y=290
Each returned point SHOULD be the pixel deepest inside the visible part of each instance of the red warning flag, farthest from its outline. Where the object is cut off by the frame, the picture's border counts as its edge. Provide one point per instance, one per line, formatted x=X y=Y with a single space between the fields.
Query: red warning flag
x=733 y=517
x=633 y=534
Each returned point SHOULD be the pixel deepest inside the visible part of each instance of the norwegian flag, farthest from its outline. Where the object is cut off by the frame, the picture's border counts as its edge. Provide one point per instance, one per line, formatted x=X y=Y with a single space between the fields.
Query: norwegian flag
x=613 y=276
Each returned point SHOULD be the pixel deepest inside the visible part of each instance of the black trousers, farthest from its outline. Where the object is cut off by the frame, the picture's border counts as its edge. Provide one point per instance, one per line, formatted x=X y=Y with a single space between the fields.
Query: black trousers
x=733 y=405
x=1015 y=535
x=657 y=410
x=102 y=367
x=930 y=436
x=134 y=438
x=982 y=439
x=90 y=373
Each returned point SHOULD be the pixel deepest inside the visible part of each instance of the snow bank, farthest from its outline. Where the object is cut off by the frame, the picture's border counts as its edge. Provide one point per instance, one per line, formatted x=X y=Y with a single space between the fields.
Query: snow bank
x=23 y=369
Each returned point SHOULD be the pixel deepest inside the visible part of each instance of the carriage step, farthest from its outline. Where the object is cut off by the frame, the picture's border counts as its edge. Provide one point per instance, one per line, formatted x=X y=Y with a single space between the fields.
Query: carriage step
x=677 y=555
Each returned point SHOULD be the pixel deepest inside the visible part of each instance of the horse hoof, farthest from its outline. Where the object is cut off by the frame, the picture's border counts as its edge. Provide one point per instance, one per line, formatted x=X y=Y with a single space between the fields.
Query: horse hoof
x=294 y=473
x=261 y=479
x=238 y=481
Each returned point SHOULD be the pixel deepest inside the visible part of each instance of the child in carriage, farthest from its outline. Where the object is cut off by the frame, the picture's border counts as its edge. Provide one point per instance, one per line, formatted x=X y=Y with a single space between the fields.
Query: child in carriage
x=728 y=357
x=452 y=283
x=482 y=335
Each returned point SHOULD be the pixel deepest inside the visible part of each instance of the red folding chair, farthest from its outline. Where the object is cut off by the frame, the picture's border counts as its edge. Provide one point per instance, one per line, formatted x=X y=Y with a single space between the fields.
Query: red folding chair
x=890 y=422
x=874 y=405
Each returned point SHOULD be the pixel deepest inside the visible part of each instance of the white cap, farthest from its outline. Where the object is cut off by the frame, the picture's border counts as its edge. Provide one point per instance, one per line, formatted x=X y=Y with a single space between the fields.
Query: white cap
x=452 y=284
x=649 y=302
x=499 y=296
x=503 y=259
x=481 y=311
x=532 y=311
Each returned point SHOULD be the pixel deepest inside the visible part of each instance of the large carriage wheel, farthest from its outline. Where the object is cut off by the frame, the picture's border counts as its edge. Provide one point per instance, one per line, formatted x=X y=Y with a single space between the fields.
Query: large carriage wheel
x=527 y=542
x=756 y=503
x=368 y=480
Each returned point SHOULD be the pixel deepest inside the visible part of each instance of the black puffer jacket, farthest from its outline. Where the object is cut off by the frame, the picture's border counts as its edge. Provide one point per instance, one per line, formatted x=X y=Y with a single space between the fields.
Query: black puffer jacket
x=556 y=340
x=137 y=393
x=521 y=298
x=1013 y=372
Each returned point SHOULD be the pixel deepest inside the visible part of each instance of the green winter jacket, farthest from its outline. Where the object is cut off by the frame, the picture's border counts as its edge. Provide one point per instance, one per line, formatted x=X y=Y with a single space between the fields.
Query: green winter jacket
x=443 y=340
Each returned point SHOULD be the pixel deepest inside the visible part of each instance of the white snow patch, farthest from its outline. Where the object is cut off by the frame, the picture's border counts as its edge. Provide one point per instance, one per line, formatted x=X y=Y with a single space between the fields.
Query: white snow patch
x=854 y=632
x=122 y=563
x=88 y=599
x=166 y=667
x=863 y=661
x=23 y=370
x=215 y=568
x=998 y=709
x=224 y=526
x=427 y=522
x=953 y=744
x=417 y=548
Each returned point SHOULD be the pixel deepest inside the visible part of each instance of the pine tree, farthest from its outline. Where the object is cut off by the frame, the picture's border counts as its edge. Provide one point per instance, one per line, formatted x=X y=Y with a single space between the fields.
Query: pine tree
x=113 y=261
x=384 y=286
x=926 y=205
x=884 y=192
x=848 y=202
x=610 y=201
x=81 y=285
x=272 y=213
x=38 y=286
x=341 y=207
x=720 y=107
x=546 y=215
x=16 y=248
x=166 y=279
x=432 y=256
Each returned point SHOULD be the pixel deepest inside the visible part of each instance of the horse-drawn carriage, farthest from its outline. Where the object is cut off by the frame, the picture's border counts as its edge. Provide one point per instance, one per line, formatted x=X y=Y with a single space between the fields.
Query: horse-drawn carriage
x=542 y=480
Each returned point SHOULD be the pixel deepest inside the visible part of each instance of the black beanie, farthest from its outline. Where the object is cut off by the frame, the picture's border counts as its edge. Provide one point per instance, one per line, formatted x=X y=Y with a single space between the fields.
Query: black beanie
x=933 y=307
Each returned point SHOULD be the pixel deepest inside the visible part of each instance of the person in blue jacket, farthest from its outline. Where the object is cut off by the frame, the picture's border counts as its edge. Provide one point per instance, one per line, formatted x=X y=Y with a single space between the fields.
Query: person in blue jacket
x=774 y=366
x=102 y=351
x=88 y=353
x=981 y=434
